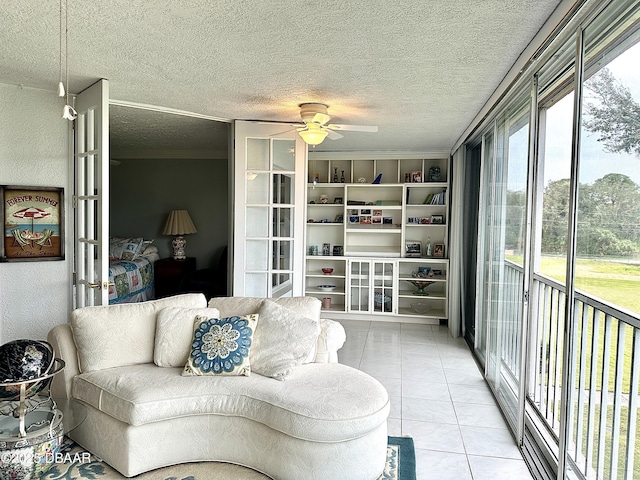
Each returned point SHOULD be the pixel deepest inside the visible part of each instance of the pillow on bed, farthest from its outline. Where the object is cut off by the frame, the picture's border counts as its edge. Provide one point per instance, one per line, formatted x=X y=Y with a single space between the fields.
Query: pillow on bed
x=148 y=248
x=174 y=333
x=124 y=248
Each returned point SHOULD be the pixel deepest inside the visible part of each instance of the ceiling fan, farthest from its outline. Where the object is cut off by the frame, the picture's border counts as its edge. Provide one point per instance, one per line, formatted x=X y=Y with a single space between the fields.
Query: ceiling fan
x=316 y=127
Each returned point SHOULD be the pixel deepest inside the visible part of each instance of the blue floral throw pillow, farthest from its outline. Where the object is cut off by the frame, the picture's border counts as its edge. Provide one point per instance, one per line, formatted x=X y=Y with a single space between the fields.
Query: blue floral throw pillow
x=221 y=346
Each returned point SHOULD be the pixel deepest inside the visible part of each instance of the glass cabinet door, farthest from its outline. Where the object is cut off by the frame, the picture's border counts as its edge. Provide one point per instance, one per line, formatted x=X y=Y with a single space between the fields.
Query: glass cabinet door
x=371 y=286
x=359 y=285
x=383 y=287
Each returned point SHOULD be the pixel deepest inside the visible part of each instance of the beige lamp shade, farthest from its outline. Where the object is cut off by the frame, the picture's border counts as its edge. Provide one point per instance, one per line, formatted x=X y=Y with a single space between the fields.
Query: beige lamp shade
x=179 y=223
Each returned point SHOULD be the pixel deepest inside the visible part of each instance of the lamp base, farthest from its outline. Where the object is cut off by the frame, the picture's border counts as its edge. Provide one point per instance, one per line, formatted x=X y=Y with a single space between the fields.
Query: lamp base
x=178 y=244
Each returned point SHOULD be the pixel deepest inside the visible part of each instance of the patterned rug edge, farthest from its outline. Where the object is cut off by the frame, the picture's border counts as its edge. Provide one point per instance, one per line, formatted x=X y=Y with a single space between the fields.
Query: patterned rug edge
x=407 y=457
x=77 y=464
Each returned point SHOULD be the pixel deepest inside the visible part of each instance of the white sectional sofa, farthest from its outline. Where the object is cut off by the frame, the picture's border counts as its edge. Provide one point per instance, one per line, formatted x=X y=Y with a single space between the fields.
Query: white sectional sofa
x=124 y=363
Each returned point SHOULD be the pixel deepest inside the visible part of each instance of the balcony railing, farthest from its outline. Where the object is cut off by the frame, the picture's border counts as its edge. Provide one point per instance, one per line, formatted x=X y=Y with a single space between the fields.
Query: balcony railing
x=606 y=376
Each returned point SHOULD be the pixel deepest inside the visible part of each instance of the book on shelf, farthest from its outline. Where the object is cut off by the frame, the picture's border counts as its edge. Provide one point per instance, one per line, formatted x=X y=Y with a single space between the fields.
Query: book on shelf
x=435 y=198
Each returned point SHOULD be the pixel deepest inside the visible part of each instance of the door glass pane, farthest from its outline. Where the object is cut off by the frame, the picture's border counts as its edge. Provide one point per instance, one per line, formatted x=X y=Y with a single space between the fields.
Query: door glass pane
x=256 y=284
x=484 y=243
x=257 y=188
x=282 y=255
x=556 y=165
x=284 y=155
x=257 y=154
x=383 y=287
x=550 y=262
x=280 y=279
x=282 y=222
x=607 y=271
x=257 y=222
x=359 y=287
x=282 y=188
x=506 y=259
x=257 y=255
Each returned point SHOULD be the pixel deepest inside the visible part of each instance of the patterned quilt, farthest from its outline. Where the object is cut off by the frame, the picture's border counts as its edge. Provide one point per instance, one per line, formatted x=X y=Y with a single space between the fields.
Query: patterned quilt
x=133 y=280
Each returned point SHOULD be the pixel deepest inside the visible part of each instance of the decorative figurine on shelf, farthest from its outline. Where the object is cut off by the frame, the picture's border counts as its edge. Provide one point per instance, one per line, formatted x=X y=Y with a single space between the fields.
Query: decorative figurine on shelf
x=427 y=249
x=377 y=180
x=434 y=174
x=335 y=175
x=342 y=177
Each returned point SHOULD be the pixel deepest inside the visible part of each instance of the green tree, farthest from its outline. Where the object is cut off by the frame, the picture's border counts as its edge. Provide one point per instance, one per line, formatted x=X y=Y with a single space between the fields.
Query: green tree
x=555 y=211
x=614 y=204
x=608 y=217
x=613 y=113
x=515 y=220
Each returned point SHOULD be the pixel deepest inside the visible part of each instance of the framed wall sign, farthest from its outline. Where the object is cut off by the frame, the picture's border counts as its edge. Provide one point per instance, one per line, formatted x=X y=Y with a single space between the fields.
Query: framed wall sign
x=33 y=223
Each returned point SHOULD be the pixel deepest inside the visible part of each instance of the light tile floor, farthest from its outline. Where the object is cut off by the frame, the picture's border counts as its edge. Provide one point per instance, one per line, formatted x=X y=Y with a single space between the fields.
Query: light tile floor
x=438 y=397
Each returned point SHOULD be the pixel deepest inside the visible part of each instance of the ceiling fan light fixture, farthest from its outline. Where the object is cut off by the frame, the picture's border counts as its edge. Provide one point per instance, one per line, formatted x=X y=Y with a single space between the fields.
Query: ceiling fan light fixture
x=313 y=136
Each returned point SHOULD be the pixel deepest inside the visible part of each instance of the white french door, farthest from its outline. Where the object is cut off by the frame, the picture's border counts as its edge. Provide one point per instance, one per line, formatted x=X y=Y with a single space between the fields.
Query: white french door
x=91 y=199
x=268 y=210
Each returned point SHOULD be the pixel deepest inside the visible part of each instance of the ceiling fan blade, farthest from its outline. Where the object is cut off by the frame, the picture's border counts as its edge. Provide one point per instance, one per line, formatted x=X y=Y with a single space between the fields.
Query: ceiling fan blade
x=285 y=131
x=333 y=135
x=354 y=128
x=320 y=118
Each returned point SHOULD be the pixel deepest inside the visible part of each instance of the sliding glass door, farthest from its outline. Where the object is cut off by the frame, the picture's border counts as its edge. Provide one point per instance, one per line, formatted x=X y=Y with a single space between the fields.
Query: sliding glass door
x=557 y=315
x=504 y=205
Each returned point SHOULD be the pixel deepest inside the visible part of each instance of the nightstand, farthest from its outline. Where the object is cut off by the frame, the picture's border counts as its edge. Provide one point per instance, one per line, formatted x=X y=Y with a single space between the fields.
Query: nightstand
x=170 y=275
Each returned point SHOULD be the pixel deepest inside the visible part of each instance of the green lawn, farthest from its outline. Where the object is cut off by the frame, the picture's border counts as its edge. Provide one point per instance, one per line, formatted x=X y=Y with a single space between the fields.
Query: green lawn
x=615 y=282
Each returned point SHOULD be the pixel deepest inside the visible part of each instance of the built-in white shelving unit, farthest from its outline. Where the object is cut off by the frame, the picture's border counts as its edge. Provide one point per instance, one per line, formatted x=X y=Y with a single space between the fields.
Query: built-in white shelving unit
x=378 y=236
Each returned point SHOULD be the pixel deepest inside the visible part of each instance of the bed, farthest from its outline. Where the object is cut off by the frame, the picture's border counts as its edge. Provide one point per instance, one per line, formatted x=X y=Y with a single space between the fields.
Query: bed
x=131 y=270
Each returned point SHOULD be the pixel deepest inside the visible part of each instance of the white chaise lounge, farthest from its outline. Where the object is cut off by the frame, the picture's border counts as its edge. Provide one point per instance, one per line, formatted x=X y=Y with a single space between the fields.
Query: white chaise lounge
x=325 y=421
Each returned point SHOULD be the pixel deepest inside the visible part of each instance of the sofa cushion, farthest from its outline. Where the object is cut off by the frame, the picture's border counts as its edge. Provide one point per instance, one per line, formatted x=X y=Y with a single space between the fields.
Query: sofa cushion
x=283 y=340
x=174 y=334
x=309 y=307
x=116 y=335
x=318 y=402
x=221 y=346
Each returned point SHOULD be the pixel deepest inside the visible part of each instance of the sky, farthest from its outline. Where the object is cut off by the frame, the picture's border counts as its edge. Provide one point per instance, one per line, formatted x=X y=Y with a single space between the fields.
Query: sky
x=595 y=162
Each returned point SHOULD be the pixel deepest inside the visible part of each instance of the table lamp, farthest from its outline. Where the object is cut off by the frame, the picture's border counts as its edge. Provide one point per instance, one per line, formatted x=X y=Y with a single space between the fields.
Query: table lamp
x=179 y=223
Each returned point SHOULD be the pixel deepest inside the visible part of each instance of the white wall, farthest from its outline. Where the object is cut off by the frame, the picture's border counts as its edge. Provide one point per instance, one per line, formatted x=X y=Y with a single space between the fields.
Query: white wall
x=34 y=296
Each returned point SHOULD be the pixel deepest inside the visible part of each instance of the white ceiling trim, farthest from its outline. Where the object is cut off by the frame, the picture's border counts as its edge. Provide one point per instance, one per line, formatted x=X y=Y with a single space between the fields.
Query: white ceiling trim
x=172 y=111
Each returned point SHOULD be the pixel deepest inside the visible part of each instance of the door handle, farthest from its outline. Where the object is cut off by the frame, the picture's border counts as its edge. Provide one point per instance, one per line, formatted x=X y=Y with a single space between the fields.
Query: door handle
x=98 y=285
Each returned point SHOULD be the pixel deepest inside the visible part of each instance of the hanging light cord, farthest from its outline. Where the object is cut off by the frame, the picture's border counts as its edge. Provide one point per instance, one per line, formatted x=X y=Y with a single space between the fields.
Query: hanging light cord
x=60 y=35
x=68 y=112
x=60 y=84
x=66 y=46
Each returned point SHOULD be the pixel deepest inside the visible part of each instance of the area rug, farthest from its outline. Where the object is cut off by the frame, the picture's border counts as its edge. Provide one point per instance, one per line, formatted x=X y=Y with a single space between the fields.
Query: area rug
x=74 y=463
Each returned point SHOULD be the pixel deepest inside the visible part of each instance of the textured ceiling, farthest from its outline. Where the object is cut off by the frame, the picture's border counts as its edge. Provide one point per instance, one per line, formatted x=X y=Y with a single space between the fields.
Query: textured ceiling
x=419 y=69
